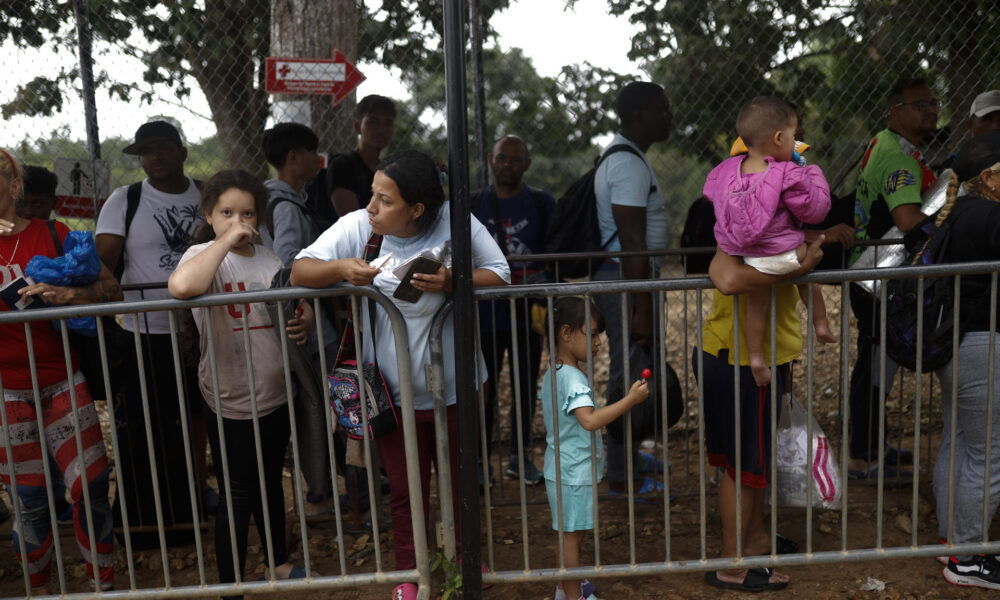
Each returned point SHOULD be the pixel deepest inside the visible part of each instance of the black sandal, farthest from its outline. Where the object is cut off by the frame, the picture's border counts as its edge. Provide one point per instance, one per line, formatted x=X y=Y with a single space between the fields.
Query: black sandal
x=756 y=580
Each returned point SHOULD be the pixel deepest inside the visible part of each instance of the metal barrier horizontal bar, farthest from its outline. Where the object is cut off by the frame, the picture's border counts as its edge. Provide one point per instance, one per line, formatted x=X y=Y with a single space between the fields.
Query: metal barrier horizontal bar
x=674 y=252
x=612 y=513
x=746 y=562
x=702 y=282
x=169 y=587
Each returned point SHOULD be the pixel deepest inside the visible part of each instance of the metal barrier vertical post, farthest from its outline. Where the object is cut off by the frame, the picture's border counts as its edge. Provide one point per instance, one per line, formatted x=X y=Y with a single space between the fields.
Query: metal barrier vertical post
x=80 y=456
x=454 y=53
x=45 y=459
x=990 y=403
x=184 y=402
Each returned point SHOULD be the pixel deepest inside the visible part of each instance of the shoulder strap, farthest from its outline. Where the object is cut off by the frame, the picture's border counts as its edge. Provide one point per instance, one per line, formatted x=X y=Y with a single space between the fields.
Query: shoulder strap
x=134 y=195
x=55 y=236
x=597 y=163
x=372 y=247
x=303 y=208
x=498 y=229
x=623 y=148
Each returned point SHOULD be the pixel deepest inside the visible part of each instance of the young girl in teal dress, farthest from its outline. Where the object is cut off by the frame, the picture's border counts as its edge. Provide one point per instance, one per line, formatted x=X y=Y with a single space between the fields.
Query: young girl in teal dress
x=576 y=414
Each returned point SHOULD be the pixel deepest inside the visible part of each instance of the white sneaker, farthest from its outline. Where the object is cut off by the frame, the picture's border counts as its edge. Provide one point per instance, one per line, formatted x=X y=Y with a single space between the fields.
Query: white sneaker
x=979 y=571
x=589 y=591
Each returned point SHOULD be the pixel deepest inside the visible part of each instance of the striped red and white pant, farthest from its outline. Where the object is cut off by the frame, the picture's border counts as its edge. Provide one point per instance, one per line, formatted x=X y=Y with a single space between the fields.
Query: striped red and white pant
x=28 y=485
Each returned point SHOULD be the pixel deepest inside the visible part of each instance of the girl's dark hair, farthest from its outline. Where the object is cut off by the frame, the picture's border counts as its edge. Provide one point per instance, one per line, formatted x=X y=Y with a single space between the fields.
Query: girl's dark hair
x=571 y=310
x=217 y=185
x=419 y=180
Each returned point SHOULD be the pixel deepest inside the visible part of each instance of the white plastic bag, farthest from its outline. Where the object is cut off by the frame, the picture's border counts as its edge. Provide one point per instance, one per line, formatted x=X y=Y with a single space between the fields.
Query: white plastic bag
x=793 y=474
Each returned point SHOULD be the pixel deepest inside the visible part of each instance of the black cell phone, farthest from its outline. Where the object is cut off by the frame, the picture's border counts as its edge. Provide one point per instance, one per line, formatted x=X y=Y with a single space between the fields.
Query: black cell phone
x=405 y=291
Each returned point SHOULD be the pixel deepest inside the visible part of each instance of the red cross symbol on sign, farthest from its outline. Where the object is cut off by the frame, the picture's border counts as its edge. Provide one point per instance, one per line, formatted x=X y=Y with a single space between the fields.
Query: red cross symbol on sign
x=334 y=77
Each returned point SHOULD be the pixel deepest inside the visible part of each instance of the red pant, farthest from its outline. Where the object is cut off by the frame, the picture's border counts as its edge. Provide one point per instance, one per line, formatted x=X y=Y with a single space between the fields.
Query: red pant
x=393 y=454
x=59 y=437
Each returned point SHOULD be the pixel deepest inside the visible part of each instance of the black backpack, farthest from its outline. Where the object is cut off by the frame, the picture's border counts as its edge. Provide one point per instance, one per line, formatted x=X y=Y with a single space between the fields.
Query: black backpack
x=699 y=231
x=574 y=226
x=927 y=245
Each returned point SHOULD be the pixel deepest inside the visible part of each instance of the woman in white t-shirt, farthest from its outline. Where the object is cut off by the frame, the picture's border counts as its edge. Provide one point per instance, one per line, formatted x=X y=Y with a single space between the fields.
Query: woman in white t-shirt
x=232 y=262
x=408 y=211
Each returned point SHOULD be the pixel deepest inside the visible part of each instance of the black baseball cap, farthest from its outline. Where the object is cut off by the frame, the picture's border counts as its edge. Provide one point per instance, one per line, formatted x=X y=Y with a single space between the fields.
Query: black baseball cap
x=153 y=131
x=979 y=153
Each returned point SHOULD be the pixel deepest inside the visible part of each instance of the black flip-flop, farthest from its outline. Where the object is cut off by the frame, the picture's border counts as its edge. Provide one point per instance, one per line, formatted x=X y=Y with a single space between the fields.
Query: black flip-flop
x=756 y=580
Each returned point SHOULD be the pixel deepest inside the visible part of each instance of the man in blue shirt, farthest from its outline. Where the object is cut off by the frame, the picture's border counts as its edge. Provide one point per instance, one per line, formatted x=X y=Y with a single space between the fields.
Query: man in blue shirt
x=517 y=216
x=632 y=217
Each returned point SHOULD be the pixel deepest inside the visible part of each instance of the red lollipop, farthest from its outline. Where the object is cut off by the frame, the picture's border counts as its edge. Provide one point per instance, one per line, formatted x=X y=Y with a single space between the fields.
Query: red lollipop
x=646 y=373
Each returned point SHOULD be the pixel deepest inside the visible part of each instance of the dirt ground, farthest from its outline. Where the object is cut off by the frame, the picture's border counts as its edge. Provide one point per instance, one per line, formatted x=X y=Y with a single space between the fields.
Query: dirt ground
x=892 y=579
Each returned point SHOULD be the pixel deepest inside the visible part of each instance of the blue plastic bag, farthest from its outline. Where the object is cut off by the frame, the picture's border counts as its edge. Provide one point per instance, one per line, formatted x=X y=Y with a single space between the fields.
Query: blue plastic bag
x=79 y=265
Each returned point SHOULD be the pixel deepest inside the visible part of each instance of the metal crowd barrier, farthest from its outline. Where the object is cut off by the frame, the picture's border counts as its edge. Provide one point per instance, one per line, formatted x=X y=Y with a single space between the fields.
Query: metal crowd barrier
x=173 y=584
x=697 y=485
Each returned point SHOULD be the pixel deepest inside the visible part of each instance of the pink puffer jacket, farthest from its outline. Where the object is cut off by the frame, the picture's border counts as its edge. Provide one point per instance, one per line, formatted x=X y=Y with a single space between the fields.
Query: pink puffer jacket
x=761 y=214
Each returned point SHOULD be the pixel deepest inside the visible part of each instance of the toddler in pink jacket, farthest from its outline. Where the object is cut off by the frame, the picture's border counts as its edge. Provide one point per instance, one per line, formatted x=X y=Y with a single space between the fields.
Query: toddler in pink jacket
x=761 y=199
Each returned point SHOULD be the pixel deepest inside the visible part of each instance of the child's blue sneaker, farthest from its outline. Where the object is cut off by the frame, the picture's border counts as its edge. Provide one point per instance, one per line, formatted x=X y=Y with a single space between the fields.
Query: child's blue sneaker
x=650 y=486
x=648 y=463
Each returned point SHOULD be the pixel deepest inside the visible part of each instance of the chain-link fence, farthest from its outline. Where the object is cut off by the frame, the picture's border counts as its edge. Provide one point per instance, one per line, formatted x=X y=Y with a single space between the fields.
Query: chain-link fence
x=202 y=63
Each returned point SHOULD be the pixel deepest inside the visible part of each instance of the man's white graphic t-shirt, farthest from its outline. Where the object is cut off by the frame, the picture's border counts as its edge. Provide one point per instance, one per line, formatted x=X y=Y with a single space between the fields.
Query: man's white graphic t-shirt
x=160 y=233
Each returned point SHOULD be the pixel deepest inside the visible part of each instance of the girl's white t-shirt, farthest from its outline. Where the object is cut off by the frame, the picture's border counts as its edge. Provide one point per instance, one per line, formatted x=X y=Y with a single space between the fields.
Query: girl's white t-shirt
x=237 y=274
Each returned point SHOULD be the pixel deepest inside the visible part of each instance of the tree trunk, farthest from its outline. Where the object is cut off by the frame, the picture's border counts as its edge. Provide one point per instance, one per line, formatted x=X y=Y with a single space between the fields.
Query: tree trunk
x=232 y=85
x=311 y=29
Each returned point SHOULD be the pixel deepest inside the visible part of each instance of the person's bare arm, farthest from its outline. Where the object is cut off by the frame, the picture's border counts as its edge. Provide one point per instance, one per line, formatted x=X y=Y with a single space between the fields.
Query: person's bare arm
x=109 y=248
x=838 y=234
x=631 y=223
x=105 y=289
x=314 y=273
x=442 y=280
x=907 y=216
x=344 y=201
x=731 y=276
x=593 y=419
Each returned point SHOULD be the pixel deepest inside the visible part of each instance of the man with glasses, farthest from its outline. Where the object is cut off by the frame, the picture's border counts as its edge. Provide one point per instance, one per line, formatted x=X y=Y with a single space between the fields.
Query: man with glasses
x=893 y=176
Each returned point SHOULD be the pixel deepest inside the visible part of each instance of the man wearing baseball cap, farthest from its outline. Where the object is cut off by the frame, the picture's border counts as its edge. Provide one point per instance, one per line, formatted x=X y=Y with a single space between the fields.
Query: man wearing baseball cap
x=984 y=115
x=142 y=231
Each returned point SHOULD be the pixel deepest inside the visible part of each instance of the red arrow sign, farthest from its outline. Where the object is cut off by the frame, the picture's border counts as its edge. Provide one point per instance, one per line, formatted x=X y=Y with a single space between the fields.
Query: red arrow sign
x=335 y=76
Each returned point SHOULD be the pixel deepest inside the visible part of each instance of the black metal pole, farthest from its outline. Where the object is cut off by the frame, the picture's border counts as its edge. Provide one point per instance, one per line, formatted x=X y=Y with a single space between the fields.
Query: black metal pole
x=465 y=385
x=479 y=95
x=83 y=36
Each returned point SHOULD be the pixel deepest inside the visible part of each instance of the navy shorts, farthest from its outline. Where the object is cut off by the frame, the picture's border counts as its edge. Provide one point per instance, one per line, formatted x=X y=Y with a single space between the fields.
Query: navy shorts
x=755 y=418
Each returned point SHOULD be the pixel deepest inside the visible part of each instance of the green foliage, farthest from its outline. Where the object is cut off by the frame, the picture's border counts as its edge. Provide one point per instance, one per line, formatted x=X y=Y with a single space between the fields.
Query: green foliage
x=451 y=587
x=204 y=157
x=40 y=97
x=409 y=34
x=836 y=60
